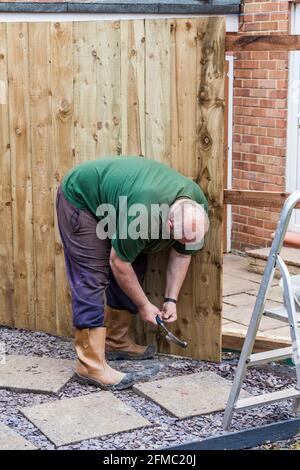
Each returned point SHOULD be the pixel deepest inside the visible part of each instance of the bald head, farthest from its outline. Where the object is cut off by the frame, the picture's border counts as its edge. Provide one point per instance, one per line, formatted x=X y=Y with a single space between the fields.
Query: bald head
x=188 y=220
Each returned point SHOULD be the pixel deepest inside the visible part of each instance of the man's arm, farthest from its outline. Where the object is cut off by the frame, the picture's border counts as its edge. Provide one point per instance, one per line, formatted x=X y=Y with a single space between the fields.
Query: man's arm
x=178 y=265
x=127 y=280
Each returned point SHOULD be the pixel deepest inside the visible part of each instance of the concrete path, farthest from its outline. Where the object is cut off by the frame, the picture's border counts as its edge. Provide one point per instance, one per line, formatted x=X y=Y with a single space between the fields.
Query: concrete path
x=90 y=416
x=10 y=440
x=35 y=374
x=240 y=288
x=191 y=395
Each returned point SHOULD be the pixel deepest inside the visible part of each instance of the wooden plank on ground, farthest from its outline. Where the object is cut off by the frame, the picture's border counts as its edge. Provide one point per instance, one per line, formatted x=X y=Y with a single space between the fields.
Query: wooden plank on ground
x=244 y=197
x=63 y=149
x=42 y=174
x=268 y=42
x=234 y=340
x=133 y=87
x=19 y=117
x=108 y=118
x=6 y=246
x=210 y=150
x=85 y=90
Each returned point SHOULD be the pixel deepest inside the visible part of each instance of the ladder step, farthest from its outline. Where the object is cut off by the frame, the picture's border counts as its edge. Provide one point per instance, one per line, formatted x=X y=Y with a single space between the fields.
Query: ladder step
x=269 y=356
x=267 y=398
x=280 y=313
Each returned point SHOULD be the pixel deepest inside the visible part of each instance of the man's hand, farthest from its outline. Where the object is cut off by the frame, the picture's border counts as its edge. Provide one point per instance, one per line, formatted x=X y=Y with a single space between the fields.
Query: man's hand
x=148 y=313
x=169 y=312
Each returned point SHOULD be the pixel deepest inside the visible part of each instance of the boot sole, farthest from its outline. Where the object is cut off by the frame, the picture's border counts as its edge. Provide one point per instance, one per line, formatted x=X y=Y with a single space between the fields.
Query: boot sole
x=90 y=381
x=117 y=356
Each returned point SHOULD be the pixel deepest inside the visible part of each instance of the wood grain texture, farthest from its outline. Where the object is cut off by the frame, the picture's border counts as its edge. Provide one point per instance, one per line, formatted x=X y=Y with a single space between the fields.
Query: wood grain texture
x=42 y=175
x=196 y=149
x=85 y=90
x=63 y=151
x=108 y=123
x=234 y=340
x=6 y=246
x=210 y=155
x=244 y=197
x=184 y=57
x=157 y=90
x=133 y=87
x=267 y=42
x=21 y=173
x=183 y=33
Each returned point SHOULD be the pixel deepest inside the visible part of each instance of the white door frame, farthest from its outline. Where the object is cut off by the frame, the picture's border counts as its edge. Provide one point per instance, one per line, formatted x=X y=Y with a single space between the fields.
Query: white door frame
x=293 y=130
x=230 y=59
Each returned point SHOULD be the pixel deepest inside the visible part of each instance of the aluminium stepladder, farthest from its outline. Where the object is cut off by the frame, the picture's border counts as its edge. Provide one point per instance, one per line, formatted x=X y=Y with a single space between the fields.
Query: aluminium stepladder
x=287 y=314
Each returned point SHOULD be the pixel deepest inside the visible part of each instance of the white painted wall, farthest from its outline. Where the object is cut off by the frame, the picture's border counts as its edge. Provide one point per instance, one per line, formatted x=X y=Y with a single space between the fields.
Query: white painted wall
x=231 y=20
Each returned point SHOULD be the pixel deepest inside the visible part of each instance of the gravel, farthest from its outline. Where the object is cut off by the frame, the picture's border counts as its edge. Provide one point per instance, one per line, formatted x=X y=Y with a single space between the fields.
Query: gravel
x=166 y=430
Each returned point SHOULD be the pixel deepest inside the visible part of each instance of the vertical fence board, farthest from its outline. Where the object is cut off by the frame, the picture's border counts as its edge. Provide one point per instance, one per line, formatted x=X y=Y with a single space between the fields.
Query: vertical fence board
x=183 y=34
x=133 y=87
x=183 y=95
x=157 y=147
x=42 y=174
x=6 y=253
x=63 y=149
x=23 y=247
x=108 y=88
x=85 y=92
x=210 y=151
x=158 y=91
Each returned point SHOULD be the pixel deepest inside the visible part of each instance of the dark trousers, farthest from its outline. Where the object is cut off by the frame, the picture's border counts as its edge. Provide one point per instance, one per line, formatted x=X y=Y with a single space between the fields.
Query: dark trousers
x=87 y=265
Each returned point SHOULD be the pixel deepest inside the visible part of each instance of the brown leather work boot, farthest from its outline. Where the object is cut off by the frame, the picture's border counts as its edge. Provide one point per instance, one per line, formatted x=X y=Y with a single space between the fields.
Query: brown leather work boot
x=119 y=337
x=91 y=367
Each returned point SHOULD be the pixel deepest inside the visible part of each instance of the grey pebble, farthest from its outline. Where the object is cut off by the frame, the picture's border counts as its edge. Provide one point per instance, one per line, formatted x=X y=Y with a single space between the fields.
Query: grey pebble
x=165 y=430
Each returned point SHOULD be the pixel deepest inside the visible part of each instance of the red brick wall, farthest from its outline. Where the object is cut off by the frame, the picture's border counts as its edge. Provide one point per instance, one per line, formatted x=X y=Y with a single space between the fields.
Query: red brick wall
x=260 y=119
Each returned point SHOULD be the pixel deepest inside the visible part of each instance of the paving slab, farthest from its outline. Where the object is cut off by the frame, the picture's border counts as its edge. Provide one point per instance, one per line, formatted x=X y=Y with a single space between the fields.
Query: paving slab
x=283 y=332
x=233 y=284
x=10 y=440
x=72 y=420
x=243 y=313
x=188 y=395
x=35 y=374
x=240 y=300
x=275 y=293
x=238 y=266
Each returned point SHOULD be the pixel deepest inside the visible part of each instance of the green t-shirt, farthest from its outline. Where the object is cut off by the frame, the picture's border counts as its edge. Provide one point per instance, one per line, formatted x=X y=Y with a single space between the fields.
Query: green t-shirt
x=142 y=181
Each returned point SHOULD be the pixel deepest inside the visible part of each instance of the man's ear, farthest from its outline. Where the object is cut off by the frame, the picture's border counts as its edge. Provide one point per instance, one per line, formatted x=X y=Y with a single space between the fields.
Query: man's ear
x=170 y=223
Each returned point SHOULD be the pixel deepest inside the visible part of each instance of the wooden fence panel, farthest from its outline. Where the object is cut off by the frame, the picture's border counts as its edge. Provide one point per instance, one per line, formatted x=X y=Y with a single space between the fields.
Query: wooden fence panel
x=70 y=92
